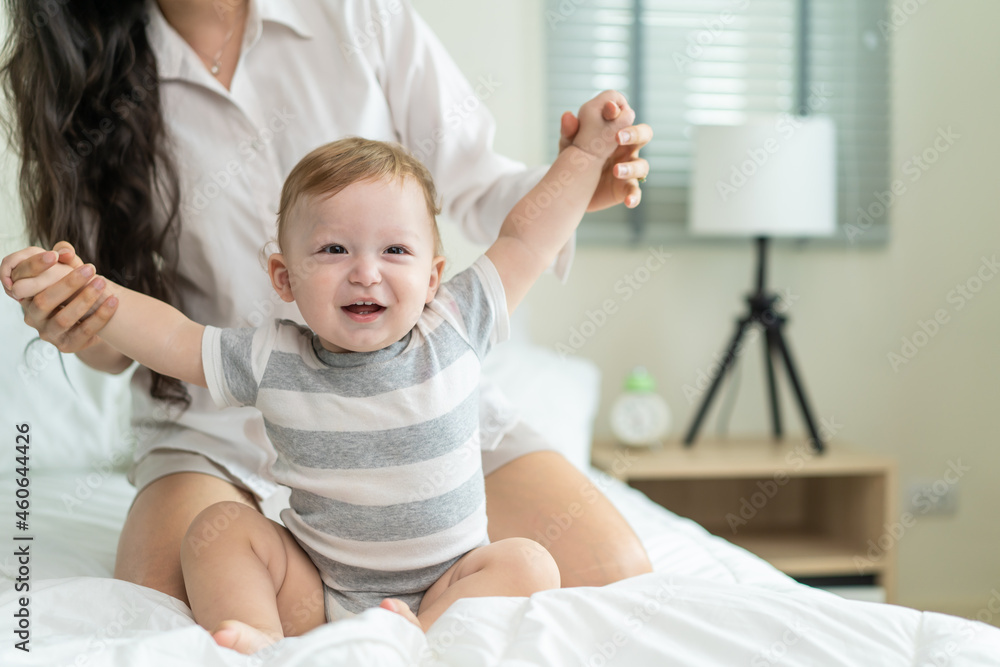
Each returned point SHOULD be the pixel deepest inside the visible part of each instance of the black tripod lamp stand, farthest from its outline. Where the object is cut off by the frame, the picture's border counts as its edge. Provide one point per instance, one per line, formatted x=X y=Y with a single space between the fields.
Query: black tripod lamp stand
x=759 y=180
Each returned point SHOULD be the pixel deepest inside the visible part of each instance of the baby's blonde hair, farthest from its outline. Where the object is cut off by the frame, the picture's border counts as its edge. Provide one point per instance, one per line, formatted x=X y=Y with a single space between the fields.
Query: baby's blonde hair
x=332 y=167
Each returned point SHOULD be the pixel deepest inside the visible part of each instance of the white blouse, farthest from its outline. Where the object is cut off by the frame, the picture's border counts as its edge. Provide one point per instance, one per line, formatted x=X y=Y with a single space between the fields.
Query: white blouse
x=310 y=72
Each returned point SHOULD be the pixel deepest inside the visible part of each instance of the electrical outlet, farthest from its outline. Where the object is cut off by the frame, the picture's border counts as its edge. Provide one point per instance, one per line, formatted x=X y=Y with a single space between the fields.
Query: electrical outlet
x=932 y=497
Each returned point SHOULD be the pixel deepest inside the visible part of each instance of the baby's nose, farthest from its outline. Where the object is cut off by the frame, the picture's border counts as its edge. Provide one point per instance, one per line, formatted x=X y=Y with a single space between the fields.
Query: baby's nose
x=365 y=271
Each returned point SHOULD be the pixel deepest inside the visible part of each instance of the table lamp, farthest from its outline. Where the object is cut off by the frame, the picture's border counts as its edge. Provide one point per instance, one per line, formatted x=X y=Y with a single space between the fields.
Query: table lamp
x=770 y=177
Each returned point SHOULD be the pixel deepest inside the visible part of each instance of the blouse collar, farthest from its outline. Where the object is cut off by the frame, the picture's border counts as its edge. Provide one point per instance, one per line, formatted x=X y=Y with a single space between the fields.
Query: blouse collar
x=177 y=60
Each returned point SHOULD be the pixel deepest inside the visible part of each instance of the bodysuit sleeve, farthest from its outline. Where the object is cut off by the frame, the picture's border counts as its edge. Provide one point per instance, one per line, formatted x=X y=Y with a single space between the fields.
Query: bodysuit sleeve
x=475 y=304
x=234 y=361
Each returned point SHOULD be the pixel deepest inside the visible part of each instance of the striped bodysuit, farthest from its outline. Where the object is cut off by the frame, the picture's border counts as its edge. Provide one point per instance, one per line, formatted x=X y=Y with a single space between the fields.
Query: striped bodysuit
x=380 y=449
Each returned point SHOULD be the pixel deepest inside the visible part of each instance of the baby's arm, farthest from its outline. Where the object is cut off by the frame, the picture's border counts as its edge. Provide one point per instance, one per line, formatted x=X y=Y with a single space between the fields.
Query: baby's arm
x=154 y=333
x=544 y=220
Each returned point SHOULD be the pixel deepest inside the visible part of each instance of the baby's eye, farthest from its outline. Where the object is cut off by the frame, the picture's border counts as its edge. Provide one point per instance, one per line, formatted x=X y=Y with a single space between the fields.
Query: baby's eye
x=334 y=249
x=395 y=250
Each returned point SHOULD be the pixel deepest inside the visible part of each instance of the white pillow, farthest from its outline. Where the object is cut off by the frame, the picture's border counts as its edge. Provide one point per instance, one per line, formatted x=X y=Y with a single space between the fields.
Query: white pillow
x=557 y=396
x=79 y=422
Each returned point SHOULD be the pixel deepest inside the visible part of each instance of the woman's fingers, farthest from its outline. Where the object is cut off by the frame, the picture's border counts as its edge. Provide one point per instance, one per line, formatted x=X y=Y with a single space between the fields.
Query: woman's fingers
x=633 y=194
x=633 y=173
x=82 y=335
x=636 y=135
x=60 y=295
x=35 y=265
x=70 y=315
x=71 y=312
x=38 y=309
x=636 y=169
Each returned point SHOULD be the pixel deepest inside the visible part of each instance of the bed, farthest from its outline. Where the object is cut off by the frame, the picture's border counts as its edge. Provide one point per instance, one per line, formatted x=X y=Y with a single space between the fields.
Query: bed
x=707 y=602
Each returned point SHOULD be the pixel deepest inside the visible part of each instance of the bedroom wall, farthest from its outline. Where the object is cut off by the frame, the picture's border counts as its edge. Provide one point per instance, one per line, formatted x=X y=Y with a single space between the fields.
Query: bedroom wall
x=850 y=309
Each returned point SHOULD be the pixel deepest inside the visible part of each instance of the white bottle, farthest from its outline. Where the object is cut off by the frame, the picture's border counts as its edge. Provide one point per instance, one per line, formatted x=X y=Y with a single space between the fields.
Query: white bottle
x=640 y=417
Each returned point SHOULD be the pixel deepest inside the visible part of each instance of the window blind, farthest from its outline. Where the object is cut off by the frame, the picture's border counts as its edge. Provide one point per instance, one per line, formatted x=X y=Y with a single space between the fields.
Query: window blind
x=688 y=62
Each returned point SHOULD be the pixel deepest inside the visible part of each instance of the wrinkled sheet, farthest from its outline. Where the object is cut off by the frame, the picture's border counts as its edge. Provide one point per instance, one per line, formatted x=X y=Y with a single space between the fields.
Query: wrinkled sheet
x=707 y=603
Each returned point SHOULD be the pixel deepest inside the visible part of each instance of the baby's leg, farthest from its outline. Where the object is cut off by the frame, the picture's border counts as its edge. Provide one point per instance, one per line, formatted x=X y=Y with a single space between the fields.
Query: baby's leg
x=515 y=567
x=249 y=583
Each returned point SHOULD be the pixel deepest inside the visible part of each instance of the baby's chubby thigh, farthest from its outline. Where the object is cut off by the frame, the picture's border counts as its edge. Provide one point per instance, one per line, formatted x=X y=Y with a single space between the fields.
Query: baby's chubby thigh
x=246 y=544
x=301 y=597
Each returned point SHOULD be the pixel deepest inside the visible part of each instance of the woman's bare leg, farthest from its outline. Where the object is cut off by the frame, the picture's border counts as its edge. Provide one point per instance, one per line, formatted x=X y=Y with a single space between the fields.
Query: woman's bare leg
x=149 y=549
x=543 y=497
x=540 y=496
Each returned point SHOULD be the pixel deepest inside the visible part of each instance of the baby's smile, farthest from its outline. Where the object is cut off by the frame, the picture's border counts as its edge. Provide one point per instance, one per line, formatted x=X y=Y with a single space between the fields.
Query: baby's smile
x=363 y=311
x=362 y=263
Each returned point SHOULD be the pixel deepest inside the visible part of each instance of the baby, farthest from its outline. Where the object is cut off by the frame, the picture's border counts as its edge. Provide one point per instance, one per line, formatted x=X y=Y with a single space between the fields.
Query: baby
x=372 y=409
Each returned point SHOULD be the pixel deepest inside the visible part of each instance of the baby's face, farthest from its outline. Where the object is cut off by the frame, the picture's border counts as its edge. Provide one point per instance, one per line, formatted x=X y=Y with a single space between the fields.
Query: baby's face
x=360 y=264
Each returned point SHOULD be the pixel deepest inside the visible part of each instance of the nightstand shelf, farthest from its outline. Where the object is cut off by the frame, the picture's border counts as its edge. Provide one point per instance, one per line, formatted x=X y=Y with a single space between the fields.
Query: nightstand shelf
x=808 y=515
x=803 y=555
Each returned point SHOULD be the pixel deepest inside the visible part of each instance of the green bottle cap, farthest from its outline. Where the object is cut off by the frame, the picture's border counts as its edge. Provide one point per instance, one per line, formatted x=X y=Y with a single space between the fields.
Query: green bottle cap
x=639 y=381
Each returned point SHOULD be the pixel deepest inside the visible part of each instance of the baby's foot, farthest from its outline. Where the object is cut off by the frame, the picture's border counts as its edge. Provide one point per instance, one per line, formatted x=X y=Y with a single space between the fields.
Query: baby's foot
x=241 y=637
x=401 y=608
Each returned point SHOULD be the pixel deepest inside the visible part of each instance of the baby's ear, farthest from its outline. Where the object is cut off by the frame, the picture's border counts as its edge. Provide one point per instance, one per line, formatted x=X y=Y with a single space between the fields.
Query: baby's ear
x=280 y=278
x=437 y=270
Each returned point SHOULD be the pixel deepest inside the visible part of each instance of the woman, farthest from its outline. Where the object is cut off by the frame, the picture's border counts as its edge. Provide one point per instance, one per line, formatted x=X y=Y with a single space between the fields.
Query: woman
x=155 y=139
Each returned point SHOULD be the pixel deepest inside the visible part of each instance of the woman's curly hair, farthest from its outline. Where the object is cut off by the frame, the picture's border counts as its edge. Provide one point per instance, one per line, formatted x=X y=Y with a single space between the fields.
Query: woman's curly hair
x=84 y=115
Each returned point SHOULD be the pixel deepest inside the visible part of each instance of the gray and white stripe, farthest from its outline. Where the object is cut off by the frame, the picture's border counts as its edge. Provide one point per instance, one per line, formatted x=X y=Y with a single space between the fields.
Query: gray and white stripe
x=380 y=449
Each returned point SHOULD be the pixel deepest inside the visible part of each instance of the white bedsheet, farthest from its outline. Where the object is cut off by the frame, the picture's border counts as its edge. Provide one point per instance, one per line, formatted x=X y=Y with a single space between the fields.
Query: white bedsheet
x=708 y=603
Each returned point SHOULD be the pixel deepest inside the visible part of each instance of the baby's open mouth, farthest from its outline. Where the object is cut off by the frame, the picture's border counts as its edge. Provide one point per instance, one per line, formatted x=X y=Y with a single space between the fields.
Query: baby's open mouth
x=364 y=308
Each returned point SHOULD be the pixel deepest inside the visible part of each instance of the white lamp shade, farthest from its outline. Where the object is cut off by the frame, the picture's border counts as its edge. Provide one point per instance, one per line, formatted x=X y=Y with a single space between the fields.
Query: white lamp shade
x=773 y=176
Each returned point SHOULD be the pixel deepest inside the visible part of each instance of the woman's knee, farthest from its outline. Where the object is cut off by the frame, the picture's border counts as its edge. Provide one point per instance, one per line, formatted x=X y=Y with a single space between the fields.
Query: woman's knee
x=632 y=561
x=531 y=564
x=543 y=495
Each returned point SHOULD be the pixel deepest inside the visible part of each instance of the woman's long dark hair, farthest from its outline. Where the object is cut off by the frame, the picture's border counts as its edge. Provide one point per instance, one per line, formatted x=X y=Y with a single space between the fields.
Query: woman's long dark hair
x=80 y=78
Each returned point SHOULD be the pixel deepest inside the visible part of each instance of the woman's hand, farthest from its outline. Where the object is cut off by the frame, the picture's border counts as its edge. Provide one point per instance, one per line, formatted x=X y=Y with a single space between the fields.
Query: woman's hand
x=622 y=171
x=60 y=297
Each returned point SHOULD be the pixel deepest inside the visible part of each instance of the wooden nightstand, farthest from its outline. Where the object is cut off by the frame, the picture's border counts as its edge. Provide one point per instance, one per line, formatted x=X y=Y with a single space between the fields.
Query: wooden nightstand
x=809 y=515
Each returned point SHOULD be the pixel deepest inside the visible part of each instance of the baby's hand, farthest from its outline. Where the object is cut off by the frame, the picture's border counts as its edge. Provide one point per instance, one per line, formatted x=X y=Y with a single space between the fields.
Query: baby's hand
x=61 y=296
x=600 y=120
x=28 y=272
x=28 y=288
